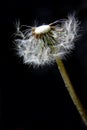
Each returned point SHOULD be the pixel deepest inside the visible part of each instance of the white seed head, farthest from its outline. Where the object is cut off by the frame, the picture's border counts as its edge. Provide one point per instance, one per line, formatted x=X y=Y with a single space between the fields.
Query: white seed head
x=40 y=45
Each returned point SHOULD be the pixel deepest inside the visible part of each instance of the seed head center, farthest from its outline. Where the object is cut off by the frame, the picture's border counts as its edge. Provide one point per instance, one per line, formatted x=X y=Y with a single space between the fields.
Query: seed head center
x=42 y=29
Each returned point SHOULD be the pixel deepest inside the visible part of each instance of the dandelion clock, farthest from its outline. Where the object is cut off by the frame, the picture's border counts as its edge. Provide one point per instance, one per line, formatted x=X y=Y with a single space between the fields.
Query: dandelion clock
x=47 y=43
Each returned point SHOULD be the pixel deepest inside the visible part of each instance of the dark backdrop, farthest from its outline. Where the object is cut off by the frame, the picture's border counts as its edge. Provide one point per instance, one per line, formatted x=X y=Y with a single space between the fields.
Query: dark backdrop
x=36 y=98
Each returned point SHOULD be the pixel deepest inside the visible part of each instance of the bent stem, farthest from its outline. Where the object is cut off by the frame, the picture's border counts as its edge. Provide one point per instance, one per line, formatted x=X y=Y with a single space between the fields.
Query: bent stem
x=71 y=90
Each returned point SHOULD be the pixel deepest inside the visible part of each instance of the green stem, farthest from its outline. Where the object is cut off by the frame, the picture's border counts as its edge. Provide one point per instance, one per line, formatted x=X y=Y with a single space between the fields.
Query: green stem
x=71 y=90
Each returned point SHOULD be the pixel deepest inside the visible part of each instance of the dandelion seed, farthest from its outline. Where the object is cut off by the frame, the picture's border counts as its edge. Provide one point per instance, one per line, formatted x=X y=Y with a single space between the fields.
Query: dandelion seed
x=40 y=45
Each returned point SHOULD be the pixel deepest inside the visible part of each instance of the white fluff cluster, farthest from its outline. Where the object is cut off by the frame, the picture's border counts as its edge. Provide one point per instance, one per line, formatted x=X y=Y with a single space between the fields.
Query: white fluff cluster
x=39 y=47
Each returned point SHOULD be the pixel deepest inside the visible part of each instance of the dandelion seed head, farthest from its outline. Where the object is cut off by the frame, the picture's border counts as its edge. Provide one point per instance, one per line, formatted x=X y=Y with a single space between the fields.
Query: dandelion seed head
x=40 y=45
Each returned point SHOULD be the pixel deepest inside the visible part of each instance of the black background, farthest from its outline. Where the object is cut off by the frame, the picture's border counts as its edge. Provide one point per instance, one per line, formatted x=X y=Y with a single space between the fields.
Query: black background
x=36 y=98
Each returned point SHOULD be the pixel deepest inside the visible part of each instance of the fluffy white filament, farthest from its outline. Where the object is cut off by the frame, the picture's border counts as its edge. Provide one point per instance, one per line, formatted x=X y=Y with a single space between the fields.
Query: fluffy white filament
x=40 y=45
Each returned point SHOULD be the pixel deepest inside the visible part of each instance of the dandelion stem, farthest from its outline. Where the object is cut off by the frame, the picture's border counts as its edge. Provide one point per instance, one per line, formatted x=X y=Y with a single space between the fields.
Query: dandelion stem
x=71 y=90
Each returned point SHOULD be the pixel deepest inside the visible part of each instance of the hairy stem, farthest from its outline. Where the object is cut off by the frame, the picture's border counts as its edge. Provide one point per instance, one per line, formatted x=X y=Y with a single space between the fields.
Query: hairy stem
x=71 y=90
